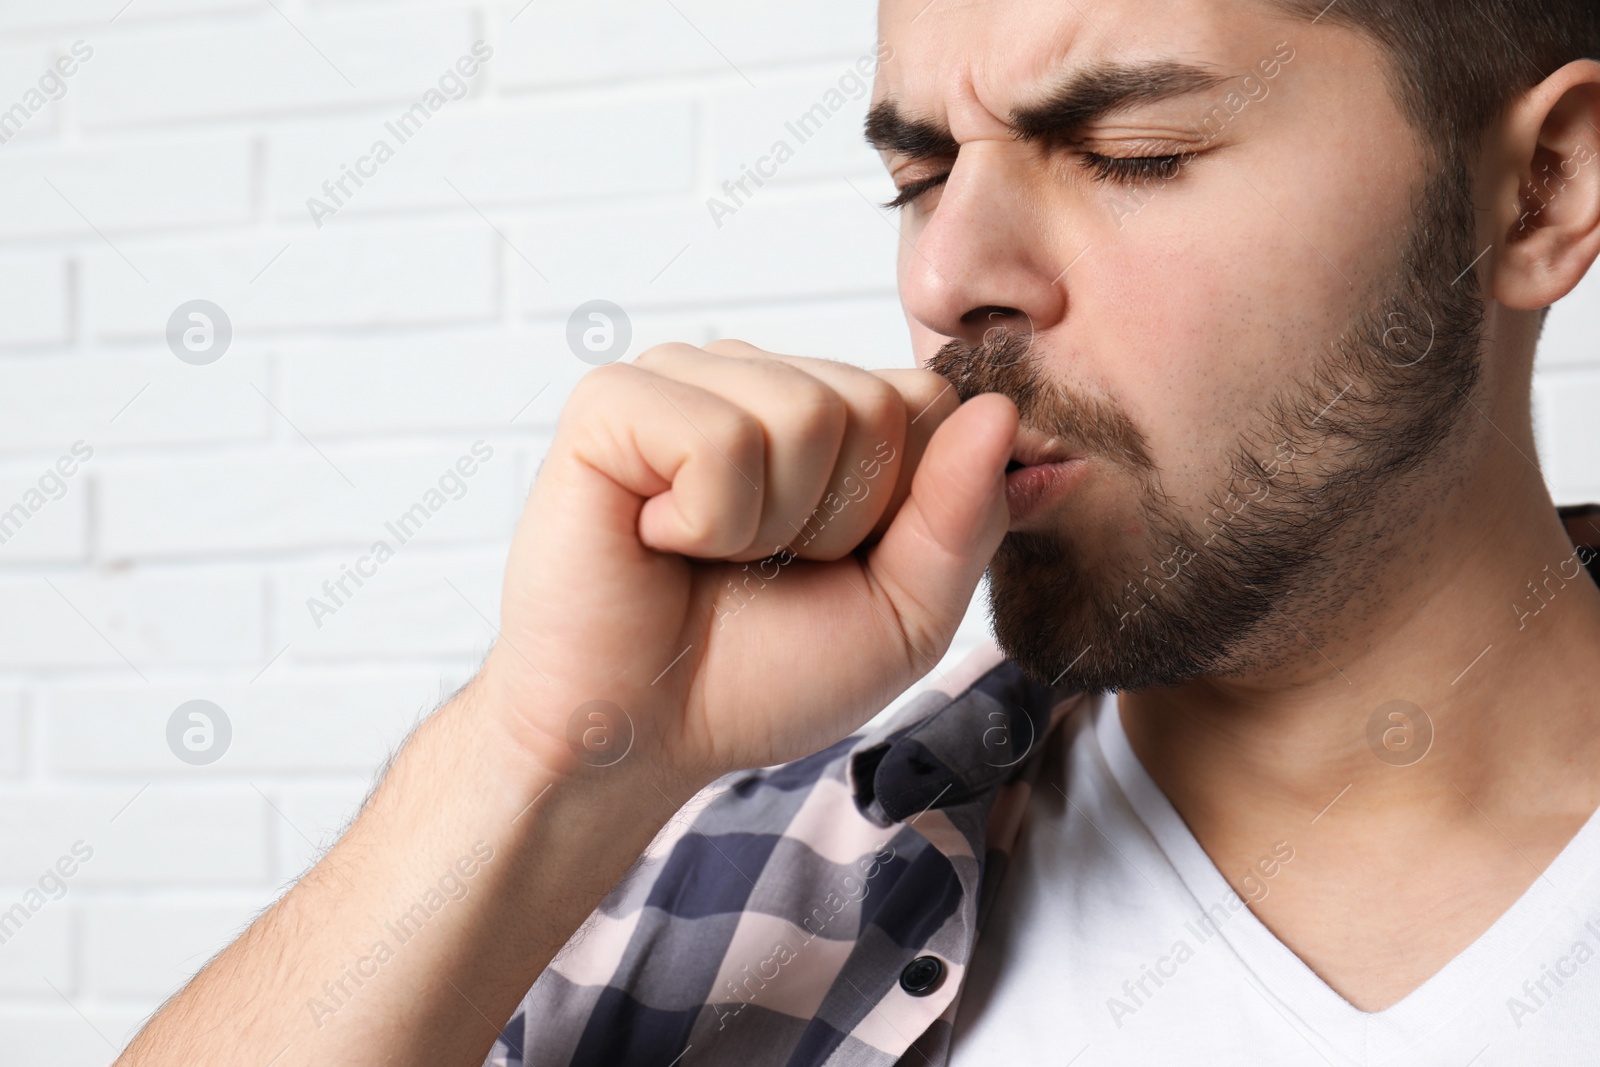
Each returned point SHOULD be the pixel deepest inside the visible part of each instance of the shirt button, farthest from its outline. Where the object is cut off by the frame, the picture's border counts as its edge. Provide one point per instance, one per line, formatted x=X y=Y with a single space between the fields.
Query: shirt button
x=922 y=975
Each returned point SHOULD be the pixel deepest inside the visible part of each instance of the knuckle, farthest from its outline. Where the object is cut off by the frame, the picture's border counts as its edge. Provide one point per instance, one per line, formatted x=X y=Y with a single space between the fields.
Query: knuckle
x=661 y=355
x=819 y=414
x=649 y=357
x=734 y=348
x=599 y=383
x=742 y=439
x=882 y=406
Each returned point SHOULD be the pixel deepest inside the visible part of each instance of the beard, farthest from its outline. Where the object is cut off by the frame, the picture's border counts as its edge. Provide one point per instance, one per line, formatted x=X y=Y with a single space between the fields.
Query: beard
x=1313 y=489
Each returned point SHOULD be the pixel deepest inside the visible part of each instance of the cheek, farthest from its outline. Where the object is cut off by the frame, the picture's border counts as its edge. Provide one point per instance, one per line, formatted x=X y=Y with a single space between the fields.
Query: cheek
x=1186 y=342
x=1200 y=315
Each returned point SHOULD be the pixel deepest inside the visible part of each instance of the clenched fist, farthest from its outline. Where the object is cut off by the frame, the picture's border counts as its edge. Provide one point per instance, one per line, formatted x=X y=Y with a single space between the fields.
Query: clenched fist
x=741 y=557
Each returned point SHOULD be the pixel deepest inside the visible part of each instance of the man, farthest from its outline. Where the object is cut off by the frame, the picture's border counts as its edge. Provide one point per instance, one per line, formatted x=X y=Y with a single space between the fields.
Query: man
x=1289 y=757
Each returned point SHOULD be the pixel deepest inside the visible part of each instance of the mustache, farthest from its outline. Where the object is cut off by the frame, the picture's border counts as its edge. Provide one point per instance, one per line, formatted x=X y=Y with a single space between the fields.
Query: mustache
x=1013 y=364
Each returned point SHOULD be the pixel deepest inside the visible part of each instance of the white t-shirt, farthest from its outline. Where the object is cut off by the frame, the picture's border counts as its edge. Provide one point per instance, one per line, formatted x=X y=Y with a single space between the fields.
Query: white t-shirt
x=1100 y=949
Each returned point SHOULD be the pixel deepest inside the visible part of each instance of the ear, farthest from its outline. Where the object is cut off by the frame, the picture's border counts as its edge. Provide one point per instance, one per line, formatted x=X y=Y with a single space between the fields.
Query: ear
x=1548 y=210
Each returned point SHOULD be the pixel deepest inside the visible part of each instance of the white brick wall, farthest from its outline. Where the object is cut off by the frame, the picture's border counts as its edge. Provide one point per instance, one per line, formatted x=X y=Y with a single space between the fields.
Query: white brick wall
x=36 y=288
x=369 y=352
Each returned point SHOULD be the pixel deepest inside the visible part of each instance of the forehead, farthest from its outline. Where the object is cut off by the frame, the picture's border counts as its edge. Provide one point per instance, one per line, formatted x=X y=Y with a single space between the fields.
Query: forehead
x=970 y=62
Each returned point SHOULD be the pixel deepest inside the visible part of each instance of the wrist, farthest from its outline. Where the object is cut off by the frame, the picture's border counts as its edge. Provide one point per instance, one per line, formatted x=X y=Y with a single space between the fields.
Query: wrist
x=602 y=754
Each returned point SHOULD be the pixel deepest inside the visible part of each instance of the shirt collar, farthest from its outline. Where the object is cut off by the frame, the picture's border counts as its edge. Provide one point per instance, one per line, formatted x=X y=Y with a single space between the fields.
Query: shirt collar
x=956 y=741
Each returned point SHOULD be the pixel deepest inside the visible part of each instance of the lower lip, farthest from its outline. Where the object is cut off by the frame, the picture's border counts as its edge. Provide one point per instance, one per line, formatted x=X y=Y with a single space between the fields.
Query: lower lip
x=1030 y=489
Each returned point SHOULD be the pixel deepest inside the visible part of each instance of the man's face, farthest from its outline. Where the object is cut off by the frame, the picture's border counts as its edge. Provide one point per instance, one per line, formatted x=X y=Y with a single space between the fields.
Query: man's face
x=1259 y=347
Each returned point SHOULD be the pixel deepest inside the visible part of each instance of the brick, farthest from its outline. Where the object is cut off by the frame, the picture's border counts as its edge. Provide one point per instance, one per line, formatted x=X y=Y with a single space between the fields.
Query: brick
x=54 y=1035
x=422 y=605
x=449 y=380
x=138 y=836
x=392 y=276
x=97 y=13
x=37 y=302
x=779 y=244
x=299 y=499
x=427 y=381
x=37 y=946
x=151 y=948
x=494 y=158
x=266 y=65
x=1569 y=434
x=154 y=618
x=26 y=118
x=13 y=733
x=566 y=41
x=313 y=818
x=295 y=724
x=176 y=183
x=44 y=517
x=150 y=398
x=867 y=333
x=813 y=124
x=1572 y=332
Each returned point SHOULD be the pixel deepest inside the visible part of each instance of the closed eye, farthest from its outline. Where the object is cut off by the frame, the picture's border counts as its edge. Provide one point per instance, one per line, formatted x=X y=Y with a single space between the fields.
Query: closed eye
x=1124 y=169
x=1134 y=168
x=911 y=191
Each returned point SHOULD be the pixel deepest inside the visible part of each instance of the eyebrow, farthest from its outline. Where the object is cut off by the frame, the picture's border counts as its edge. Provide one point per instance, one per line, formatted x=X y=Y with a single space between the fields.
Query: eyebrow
x=1083 y=97
x=888 y=130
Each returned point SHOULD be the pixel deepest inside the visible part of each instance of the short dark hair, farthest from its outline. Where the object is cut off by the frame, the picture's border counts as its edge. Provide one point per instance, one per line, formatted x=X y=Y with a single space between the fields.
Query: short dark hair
x=1457 y=64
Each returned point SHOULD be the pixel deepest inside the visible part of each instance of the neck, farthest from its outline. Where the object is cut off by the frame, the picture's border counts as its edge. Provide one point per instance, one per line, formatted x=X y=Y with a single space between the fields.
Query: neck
x=1480 y=620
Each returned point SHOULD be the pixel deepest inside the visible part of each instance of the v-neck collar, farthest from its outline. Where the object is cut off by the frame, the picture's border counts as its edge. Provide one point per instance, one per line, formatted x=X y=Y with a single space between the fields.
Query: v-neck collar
x=1359 y=1036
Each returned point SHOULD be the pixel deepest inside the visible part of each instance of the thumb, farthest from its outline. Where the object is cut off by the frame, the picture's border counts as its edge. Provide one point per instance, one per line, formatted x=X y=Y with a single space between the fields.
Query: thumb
x=933 y=553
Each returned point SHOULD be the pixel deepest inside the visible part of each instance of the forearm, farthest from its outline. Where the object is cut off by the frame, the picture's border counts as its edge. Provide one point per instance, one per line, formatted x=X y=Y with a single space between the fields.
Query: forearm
x=413 y=939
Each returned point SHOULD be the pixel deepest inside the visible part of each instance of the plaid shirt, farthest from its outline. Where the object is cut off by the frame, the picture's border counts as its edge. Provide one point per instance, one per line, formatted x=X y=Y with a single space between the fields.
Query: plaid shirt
x=821 y=912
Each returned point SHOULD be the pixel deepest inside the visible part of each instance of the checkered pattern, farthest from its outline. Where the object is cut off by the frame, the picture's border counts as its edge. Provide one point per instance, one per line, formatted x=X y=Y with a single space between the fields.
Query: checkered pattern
x=769 y=922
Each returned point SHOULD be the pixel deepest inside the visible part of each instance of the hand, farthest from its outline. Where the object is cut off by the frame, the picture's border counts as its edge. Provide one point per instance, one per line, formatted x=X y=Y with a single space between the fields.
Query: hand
x=748 y=554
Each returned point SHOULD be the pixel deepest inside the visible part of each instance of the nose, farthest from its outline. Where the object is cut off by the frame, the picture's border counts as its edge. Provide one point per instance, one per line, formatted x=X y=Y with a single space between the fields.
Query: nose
x=982 y=257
